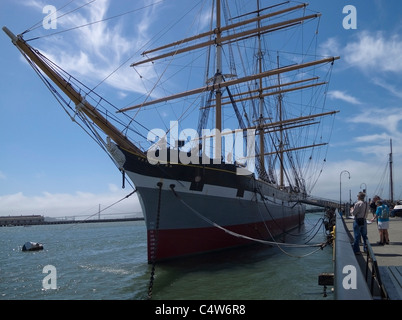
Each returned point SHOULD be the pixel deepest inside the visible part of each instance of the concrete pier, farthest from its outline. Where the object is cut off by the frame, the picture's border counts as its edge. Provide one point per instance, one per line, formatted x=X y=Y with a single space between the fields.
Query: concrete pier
x=349 y=279
x=387 y=257
x=12 y=221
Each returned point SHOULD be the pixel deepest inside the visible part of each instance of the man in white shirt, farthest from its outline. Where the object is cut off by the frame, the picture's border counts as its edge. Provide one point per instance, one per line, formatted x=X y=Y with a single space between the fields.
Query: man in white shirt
x=360 y=224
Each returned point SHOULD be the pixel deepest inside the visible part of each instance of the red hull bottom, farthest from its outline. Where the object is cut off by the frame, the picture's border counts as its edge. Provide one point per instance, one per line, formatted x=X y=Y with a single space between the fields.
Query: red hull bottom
x=173 y=243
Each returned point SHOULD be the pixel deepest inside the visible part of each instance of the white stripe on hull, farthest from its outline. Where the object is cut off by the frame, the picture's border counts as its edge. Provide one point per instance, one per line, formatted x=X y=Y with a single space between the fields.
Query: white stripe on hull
x=216 y=203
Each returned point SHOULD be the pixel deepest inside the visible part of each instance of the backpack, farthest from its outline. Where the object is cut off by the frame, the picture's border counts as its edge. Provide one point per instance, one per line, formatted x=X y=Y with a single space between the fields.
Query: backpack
x=384 y=213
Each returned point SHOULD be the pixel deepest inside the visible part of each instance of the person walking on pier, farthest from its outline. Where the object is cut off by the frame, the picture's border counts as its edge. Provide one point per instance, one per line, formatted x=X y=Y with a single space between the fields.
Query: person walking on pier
x=382 y=216
x=373 y=205
x=360 y=224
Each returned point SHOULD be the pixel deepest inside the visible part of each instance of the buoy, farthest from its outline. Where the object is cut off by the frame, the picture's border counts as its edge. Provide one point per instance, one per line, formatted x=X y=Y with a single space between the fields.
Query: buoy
x=32 y=246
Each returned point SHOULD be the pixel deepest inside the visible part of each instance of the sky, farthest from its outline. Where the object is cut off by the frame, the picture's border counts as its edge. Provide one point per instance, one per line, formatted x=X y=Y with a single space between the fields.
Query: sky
x=49 y=166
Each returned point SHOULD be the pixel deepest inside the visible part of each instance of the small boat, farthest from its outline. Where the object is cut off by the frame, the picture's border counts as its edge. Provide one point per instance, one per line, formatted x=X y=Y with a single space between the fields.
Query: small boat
x=32 y=246
x=397 y=211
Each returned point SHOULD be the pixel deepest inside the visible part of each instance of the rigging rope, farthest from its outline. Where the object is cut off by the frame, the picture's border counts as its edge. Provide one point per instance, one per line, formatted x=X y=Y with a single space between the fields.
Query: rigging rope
x=82 y=221
x=86 y=24
x=89 y=126
x=40 y=23
x=87 y=93
x=91 y=132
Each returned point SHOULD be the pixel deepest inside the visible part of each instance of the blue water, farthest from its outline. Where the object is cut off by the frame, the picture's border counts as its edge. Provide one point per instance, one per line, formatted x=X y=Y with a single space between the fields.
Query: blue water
x=96 y=261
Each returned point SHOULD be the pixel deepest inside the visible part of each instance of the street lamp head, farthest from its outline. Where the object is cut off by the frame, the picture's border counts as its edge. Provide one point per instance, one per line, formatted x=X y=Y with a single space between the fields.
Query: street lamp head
x=345 y=171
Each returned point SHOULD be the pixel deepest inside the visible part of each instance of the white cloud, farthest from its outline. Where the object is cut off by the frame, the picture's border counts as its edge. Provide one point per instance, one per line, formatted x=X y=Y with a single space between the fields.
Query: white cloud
x=341 y=95
x=375 y=51
x=374 y=56
x=363 y=173
x=386 y=118
x=331 y=47
x=79 y=204
x=373 y=138
x=368 y=51
x=389 y=87
x=94 y=52
x=34 y=4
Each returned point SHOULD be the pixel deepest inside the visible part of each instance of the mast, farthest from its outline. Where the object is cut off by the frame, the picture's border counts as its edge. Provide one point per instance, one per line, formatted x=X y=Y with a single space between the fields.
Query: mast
x=81 y=104
x=281 y=144
x=218 y=122
x=272 y=93
x=250 y=86
x=286 y=124
x=235 y=36
x=218 y=80
x=391 y=182
x=264 y=74
x=261 y=97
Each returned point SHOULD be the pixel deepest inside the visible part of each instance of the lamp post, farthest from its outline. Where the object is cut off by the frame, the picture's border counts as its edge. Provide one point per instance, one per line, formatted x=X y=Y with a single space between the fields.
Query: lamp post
x=364 y=190
x=340 y=189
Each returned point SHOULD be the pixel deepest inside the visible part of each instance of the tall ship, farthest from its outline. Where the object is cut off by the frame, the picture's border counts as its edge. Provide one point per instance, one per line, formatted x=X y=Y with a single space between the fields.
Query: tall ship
x=239 y=161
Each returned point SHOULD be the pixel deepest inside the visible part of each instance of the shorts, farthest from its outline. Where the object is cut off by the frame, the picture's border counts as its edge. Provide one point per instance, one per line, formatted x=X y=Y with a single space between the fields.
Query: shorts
x=382 y=225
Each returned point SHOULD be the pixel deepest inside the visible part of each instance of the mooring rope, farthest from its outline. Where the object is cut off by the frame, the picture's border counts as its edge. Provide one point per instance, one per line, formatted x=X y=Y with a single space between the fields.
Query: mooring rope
x=322 y=245
x=264 y=199
x=235 y=234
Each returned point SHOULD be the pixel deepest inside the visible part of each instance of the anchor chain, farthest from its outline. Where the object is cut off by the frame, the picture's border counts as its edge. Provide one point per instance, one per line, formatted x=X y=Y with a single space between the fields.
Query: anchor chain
x=155 y=244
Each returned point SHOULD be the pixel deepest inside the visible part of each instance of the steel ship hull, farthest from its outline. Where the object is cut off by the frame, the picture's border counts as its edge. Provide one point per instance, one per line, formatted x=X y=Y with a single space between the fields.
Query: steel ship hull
x=193 y=209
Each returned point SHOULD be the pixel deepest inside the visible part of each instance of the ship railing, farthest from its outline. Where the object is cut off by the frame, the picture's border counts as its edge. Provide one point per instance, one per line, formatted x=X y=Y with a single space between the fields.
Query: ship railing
x=374 y=273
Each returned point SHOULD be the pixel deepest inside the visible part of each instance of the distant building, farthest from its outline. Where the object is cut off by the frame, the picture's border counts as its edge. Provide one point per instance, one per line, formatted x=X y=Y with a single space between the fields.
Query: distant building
x=8 y=221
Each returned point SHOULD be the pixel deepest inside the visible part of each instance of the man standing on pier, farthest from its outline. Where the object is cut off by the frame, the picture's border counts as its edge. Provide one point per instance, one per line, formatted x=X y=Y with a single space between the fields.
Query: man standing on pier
x=360 y=224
